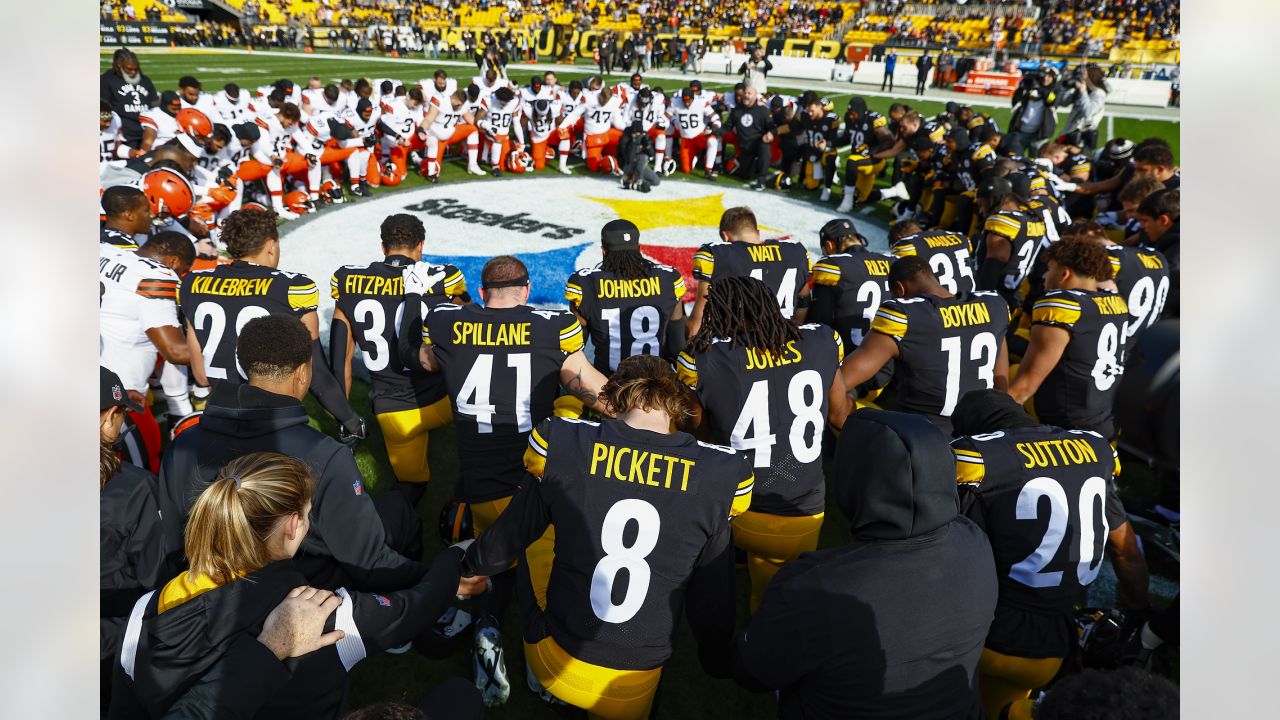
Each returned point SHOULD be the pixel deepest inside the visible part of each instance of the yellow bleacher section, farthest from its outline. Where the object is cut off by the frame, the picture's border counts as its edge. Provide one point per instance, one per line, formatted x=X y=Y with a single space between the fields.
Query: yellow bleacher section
x=140 y=8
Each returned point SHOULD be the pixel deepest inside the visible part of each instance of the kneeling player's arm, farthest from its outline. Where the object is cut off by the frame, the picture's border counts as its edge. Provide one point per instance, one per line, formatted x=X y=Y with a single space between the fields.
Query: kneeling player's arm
x=196 y=357
x=172 y=346
x=1043 y=353
x=523 y=522
x=1130 y=566
x=1001 y=379
x=340 y=349
x=673 y=342
x=710 y=603
x=581 y=380
x=328 y=390
x=399 y=617
x=823 y=307
x=861 y=365
x=699 y=304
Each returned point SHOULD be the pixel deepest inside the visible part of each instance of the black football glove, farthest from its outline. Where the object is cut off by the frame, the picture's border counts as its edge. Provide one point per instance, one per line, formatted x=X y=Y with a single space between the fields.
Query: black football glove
x=351 y=432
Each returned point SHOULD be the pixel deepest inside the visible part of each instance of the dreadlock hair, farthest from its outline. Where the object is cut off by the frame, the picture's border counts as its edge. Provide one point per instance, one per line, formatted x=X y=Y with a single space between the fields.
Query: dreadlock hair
x=627 y=264
x=744 y=310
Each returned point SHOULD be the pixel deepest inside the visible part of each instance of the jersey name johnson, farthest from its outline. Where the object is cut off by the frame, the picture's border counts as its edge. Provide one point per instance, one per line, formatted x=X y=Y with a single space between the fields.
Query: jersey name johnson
x=625 y=317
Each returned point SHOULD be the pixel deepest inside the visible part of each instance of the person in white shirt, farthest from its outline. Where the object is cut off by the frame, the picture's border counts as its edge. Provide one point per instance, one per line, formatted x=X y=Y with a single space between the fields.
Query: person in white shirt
x=160 y=124
x=696 y=121
x=501 y=110
x=649 y=109
x=231 y=105
x=448 y=121
x=111 y=145
x=189 y=91
x=601 y=130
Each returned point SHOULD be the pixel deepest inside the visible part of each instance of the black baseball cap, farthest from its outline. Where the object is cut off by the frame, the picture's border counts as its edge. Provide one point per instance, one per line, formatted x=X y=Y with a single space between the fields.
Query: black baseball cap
x=113 y=392
x=247 y=131
x=921 y=141
x=836 y=229
x=696 y=85
x=169 y=97
x=992 y=186
x=620 y=235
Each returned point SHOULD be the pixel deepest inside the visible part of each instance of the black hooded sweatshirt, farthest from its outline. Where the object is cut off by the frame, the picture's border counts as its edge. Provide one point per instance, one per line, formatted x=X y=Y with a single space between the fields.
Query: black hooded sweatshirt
x=167 y=655
x=347 y=544
x=891 y=625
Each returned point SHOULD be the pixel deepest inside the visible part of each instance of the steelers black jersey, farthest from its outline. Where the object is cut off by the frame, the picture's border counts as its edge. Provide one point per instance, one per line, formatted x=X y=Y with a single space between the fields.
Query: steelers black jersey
x=1076 y=164
x=949 y=254
x=808 y=132
x=502 y=368
x=946 y=347
x=1046 y=499
x=1080 y=390
x=625 y=317
x=783 y=265
x=372 y=299
x=860 y=134
x=218 y=302
x=1025 y=232
x=773 y=407
x=858 y=281
x=117 y=238
x=1142 y=278
x=632 y=511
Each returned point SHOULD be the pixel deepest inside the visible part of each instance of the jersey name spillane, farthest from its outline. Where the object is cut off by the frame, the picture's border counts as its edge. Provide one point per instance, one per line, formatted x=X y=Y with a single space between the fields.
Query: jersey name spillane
x=502 y=367
x=783 y=265
x=772 y=407
x=625 y=316
x=220 y=301
x=947 y=347
x=632 y=511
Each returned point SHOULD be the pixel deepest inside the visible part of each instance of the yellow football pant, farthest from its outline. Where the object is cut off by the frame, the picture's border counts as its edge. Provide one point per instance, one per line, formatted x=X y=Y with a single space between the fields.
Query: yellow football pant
x=603 y=692
x=1005 y=680
x=406 y=433
x=484 y=514
x=866 y=179
x=772 y=541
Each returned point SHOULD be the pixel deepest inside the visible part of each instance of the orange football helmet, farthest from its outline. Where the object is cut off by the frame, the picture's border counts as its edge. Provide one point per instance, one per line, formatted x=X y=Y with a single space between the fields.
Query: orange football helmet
x=169 y=192
x=194 y=123
x=519 y=162
x=296 y=201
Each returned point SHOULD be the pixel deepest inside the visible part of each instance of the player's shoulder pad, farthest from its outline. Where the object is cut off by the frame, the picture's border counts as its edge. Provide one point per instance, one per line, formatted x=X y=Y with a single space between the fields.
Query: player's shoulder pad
x=580 y=421
x=834 y=257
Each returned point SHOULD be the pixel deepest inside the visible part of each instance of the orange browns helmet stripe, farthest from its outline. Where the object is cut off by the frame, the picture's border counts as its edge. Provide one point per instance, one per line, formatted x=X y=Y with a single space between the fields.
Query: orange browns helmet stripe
x=168 y=192
x=194 y=123
x=296 y=201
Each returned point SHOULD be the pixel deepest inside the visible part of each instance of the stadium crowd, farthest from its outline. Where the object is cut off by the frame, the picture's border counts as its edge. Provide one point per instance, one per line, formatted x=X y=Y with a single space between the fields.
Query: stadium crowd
x=963 y=388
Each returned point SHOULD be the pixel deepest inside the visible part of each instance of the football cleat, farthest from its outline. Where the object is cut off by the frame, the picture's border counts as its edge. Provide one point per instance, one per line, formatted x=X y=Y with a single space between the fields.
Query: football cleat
x=826 y=195
x=474 y=169
x=669 y=166
x=538 y=690
x=643 y=187
x=495 y=171
x=564 y=170
x=287 y=214
x=710 y=175
x=846 y=205
x=491 y=670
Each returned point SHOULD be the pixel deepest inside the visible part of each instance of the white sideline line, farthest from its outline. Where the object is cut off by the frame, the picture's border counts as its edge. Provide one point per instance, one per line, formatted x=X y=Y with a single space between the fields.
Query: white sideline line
x=710 y=77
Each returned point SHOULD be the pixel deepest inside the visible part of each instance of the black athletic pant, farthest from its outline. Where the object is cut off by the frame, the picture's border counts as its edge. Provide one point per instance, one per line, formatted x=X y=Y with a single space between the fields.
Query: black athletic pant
x=753 y=159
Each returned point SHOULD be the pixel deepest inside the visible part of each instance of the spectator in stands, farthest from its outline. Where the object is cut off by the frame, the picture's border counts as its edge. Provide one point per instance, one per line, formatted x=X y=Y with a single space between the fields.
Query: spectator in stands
x=890 y=62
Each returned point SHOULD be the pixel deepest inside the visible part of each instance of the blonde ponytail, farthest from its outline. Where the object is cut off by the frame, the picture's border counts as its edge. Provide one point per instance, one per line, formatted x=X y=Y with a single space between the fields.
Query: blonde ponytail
x=231 y=521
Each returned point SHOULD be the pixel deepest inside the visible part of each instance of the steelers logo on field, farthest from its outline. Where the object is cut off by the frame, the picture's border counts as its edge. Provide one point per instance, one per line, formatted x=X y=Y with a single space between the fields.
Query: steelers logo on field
x=551 y=223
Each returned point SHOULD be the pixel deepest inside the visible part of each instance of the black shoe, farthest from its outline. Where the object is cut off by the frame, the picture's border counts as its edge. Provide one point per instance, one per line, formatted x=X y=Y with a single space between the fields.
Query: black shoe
x=433 y=179
x=710 y=175
x=365 y=190
x=644 y=187
x=496 y=172
x=626 y=184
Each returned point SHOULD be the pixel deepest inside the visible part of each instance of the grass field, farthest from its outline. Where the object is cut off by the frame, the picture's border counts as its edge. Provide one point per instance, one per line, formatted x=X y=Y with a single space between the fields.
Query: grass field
x=686 y=692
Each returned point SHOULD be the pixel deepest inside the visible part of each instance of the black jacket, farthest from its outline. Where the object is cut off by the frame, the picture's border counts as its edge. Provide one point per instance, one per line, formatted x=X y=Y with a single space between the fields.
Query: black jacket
x=127 y=101
x=132 y=556
x=632 y=145
x=347 y=544
x=750 y=123
x=188 y=659
x=892 y=624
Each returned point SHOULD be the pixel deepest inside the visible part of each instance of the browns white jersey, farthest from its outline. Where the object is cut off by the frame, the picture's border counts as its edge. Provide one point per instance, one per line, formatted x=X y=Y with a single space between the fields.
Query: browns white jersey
x=542 y=127
x=165 y=125
x=362 y=128
x=314 y=101
x=650 y=116
x=137 y=294
x=448 y=118
x=569 y=103
x=599 y=118
x=500 y=115
x=110 y=141
x=428 y=87
x=205 y=104
x=403 y=119
x=231 y=112
x=694 y=119
x=527 y=96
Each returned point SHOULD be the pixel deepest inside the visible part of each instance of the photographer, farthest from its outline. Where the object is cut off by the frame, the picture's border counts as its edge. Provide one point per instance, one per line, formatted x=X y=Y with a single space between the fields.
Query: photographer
x=1033 y=117
x=756 y=69
x=635 y=150
x=1088 y=102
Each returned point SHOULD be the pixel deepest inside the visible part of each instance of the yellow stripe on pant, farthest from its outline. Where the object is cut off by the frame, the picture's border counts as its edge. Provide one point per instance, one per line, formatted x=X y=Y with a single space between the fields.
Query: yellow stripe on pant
x=772 y=541
x=1008 y=680
x=406 y=433
x=603 y=692
x=866 y=180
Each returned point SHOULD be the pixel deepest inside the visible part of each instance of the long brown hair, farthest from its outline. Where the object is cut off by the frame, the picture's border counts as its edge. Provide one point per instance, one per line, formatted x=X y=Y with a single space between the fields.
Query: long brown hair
x=647 y=382
x=233 y=518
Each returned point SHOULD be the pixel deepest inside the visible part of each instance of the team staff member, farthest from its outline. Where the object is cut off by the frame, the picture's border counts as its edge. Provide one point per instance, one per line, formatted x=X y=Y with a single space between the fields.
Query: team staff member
x=127 y=215
x=891 y=624
x=752 y=125
x=949 y=254
x=782 y=264
x=1075 y=357
x=763 y=383
x=131 y=548
x=218 y=302
x=1002 y=458
x=629 y=304
x=500 y=362
x=357 y=540
x=943 y=346
x=129 y=93
x=407 y=402
x=1159 y=214
x=588 y=644
x=244 y=529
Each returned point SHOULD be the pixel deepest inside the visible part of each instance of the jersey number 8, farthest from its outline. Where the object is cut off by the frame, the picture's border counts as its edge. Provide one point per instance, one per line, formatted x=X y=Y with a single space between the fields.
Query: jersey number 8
x=618 y=557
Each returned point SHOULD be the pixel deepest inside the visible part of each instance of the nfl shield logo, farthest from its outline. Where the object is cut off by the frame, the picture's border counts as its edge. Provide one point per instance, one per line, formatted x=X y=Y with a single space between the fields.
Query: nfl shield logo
x=358 y=487
x=382 y=601
x=115 y=392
